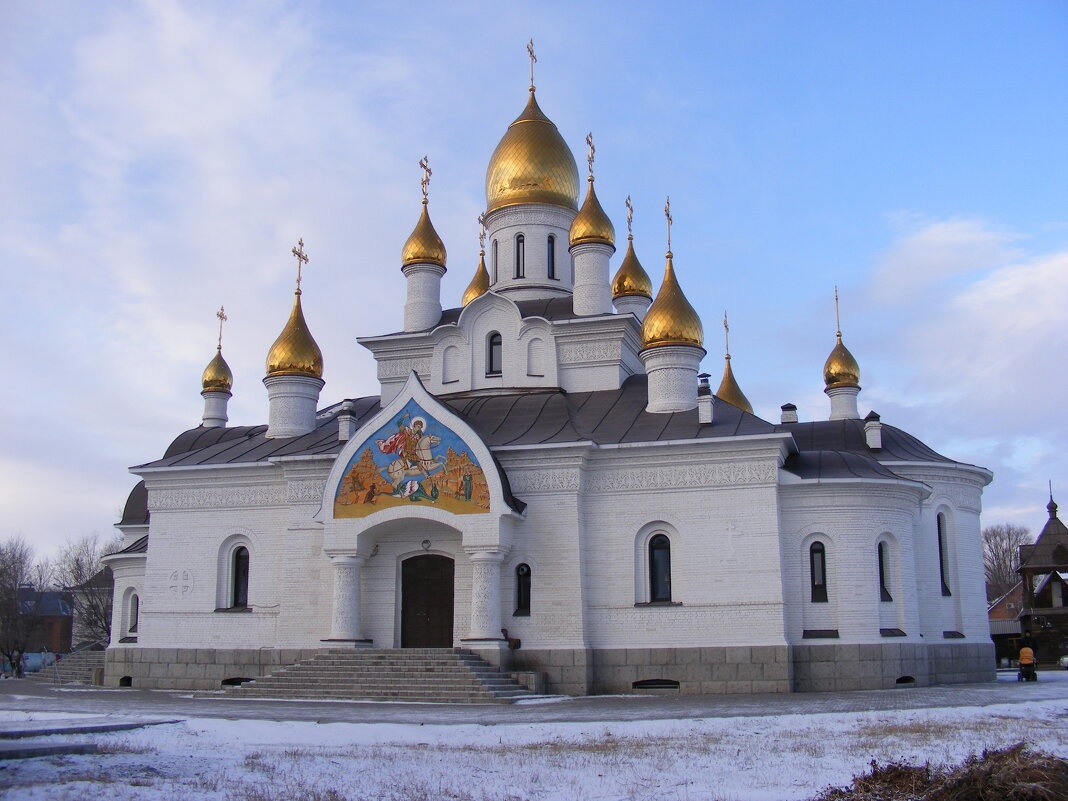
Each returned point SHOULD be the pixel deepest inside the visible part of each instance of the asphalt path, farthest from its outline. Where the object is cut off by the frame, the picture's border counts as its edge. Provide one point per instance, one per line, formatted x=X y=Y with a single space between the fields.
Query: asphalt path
x=21 y=695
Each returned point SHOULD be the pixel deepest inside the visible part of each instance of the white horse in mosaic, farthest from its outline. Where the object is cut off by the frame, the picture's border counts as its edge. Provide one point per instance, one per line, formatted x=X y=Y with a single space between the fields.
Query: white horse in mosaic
x=425 y=462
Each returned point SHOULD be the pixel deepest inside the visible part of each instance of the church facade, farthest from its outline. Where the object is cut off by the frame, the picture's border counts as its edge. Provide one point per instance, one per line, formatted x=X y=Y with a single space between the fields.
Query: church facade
x=546 y=478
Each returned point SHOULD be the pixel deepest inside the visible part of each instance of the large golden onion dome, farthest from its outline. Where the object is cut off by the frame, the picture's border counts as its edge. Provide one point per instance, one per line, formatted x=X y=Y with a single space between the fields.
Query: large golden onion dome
x=631 y=278
x=671 y=320
x=217 y=375
x=480 y=283
x=591 y=224
x=295 y=352
x=729 y=389
x=532 y=164
x=424 y=246
x=841 y=369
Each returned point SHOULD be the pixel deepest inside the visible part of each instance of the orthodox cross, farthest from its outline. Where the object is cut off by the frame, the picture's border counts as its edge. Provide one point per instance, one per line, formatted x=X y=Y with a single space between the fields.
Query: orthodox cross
x=630 y=218
x=592 y=150
x=726 y=335
x=837 y=316
x=667 y=213
x=221 y=314
x=533 y=61
x=427 y=172
x=302 y=259
x=481 y=233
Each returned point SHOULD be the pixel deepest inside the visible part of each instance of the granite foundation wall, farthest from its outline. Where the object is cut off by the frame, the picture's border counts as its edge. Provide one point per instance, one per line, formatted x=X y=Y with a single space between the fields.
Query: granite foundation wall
x=842 y=667
x=193 y=668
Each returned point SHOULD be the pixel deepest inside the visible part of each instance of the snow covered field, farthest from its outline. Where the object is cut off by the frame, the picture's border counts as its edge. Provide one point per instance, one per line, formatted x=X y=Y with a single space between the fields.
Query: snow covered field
x=743 y=758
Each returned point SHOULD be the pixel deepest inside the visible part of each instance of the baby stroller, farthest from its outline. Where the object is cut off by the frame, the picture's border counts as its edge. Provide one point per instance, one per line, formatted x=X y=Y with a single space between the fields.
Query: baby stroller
x=1027 y=665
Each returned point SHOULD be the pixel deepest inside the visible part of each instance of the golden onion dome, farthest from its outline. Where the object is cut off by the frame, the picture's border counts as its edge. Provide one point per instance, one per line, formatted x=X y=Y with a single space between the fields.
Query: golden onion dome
x=217 y=375
x=841 y=369
x=730 y=391
x=295 y=351
x=424 y=246
x=671 y=320
x=480 y=283
x=591 y=224
x=631 y=278
x=532 y=164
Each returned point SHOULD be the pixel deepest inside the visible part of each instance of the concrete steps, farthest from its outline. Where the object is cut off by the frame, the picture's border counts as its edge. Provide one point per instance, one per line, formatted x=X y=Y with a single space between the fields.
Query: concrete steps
x=71 y=669
x=413 y=675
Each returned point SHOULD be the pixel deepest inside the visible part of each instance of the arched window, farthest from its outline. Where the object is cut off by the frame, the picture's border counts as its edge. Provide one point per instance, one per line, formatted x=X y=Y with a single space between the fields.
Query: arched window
x=240 y=580
x=134 y=611
x=520 y=256
x=659 y=569
x=941 y=522
x=494 y=260
x=494 y=354
x=522 y=591
x=884 y=576
x=817 y=570
x=552 y=256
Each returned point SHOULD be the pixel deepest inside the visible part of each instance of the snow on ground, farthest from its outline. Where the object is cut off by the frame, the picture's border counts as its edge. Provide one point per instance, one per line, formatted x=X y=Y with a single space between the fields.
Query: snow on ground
x=768 y=758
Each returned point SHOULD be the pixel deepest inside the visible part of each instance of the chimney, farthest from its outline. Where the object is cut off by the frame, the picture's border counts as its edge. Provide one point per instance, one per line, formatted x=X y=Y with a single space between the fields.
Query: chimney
x=704 y=400
x=346 y=426
x=873 y=431
x=789 y=413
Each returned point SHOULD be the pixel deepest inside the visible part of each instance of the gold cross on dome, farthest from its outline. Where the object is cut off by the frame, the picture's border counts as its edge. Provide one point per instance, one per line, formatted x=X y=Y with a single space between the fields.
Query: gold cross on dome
x=726 y=335
x=221 y=314
x=592 y=150
x=302 y=259
x=667 y=213
x=630 y=217
x=424 y=164
x=837 y=316
x=533 y=61
x=481 y=233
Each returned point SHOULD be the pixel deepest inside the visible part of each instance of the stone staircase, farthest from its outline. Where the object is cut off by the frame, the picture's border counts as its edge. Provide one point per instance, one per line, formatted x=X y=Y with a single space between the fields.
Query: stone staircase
x=409 y=675
x=74 y=668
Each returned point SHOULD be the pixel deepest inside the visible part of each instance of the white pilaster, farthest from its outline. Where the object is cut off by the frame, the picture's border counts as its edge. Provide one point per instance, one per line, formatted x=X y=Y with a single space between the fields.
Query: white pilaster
x=215 y=403
x=422 y=310
x=345 y=624
x=485 y=595
x=293 y=400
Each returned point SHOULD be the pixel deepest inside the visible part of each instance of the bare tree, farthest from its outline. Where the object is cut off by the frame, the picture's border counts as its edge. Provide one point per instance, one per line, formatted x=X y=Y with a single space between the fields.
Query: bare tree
x=80 y=572
x=23 y=583
x=1001 y=555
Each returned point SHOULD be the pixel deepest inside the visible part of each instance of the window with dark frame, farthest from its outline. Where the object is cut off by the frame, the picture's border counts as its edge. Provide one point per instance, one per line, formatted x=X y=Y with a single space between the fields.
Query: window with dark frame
x=522 y=591
x=817 y=567
x=240 y=582
x=941 y=524
x=552 y=256
x=660 y=569
x=494 y=354
x=520 y=256
x=884 y=590
x=135 y=609
x=494 y=260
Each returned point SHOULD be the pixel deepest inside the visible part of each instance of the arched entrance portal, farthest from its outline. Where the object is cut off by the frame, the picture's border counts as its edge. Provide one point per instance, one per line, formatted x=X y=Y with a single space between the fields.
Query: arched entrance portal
x=426 y=602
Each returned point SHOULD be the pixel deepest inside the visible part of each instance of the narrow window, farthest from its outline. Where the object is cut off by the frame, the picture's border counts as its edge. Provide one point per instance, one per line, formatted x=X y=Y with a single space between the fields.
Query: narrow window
x=552 y=256
x=522 y=591
x=493 y=354
x=135 y=608
x=884 y=591
x=942 y=553
x=817 y=565
x=240 y=585
x=494 y=259
x=659 y=569
x=520 y=256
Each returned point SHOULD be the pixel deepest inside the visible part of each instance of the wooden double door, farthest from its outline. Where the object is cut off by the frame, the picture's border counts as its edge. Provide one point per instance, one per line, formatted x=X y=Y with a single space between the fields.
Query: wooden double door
x=427 y=601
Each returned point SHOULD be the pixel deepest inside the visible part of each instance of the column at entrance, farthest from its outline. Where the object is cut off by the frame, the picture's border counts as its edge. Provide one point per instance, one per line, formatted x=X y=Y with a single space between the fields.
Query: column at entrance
x=485 y=594
x=345 y=624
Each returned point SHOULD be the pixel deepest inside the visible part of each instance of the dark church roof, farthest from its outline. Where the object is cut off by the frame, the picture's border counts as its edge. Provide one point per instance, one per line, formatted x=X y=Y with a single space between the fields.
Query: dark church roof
x=1050 y=550
x=135 y=513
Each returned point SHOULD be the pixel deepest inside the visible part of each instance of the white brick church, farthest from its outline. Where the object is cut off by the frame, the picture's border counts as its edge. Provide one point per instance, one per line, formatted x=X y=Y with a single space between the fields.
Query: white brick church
x=546 y=459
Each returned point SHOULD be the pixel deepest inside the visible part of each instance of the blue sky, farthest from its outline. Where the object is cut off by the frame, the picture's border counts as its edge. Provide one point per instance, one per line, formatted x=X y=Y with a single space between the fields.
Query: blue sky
x=159 y=159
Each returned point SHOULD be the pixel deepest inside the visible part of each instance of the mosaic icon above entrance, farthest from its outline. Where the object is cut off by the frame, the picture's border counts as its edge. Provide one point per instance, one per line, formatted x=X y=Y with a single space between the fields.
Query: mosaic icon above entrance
x=413 y=459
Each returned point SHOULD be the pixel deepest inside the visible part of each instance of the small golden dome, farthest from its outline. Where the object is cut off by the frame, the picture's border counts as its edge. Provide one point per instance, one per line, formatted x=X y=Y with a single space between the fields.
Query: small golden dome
x=532 y=164
x=730 y=391
x=424 y=246
x=631 y=278
x=480 y=283
x=591 y=224
x=295 y=351
x=841 y=369
x=217 y=376
x=671 y=320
